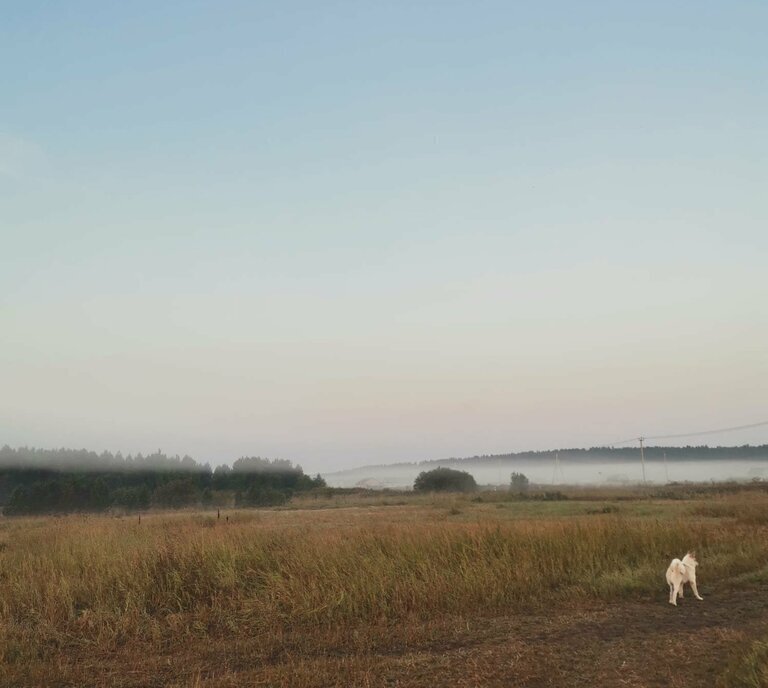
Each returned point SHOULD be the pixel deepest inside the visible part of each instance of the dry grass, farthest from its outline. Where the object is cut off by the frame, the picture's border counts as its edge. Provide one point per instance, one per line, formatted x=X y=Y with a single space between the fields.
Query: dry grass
x=746 y=508
x=339 y=579
x=749 y=669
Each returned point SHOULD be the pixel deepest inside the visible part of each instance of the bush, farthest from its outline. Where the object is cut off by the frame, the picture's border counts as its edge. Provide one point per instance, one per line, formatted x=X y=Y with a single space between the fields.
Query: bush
x=519 y=482
x=444 y=480
x=556 y=496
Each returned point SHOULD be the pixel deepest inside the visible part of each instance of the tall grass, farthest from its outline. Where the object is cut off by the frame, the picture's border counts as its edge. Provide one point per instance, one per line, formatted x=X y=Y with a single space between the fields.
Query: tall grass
x=749 y=670
x=103 y=581
x=748 y=508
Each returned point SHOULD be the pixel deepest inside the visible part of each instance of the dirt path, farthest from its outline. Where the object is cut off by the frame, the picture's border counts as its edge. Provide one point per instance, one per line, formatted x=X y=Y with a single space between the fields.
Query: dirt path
x=636 y=644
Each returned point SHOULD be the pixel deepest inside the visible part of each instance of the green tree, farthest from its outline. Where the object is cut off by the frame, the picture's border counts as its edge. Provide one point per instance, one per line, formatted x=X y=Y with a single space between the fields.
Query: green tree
x=519 y=482
x=132 y=497
x=319 y=481
x=444 y=480
x=262 y=496
x=176 y=493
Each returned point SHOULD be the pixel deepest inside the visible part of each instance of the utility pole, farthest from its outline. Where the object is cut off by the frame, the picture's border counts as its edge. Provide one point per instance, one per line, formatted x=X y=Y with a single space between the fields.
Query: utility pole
x=642 y=457
x=556 y=468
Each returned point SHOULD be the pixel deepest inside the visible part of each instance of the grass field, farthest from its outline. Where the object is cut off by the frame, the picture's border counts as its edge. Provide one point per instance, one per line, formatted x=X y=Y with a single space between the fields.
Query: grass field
x=391 y=590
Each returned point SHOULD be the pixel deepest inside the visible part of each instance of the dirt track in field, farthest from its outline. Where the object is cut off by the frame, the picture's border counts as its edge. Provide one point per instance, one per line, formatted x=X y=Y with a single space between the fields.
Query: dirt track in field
x=640 y=643
x=634 y=644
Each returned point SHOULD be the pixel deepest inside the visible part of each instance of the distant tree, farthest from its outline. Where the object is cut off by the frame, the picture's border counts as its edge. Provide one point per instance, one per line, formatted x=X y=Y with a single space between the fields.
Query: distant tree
x=61 y=494
x=256 y=464
x=319 y=481
x=221 y=476
x=444 y=480
x=262 y=496
x=188 y=463
x=18 y=503
x=95 y=492
x=66 y=480
x=176 y=493
x=519 y=482
x=131 y=497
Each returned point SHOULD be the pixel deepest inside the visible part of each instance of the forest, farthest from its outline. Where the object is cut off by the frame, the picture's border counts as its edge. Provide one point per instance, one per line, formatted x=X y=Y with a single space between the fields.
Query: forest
x=39 y=481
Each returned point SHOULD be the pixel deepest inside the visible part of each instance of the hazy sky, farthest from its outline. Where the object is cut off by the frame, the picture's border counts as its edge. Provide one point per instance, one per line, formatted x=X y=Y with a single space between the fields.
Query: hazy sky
x=352 y=232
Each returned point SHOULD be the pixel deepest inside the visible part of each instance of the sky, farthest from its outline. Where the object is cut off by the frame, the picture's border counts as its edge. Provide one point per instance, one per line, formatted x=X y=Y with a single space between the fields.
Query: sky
x=347 y=233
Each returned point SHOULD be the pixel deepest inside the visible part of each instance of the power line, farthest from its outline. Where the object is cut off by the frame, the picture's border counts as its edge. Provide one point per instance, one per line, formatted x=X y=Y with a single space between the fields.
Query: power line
x=693 y=434
x=709 y=432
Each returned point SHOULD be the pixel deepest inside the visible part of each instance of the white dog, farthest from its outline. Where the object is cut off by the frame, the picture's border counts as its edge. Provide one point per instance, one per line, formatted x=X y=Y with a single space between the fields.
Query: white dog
x=679 y=573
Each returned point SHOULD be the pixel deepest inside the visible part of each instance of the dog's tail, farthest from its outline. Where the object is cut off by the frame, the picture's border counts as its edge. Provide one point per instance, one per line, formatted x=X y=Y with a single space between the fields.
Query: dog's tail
x=681 y=568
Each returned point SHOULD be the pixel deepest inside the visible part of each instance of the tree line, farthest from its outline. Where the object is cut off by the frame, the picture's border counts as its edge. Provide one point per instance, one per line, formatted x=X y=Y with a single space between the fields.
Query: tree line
x=627 y=453
x=37 y=481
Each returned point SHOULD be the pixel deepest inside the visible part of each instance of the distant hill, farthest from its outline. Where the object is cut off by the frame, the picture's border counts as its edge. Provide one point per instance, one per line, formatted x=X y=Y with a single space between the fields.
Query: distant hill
x=596 y=465
x=594 y=455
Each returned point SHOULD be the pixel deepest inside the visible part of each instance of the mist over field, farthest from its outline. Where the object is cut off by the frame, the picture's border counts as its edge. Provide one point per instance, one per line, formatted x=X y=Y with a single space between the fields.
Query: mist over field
x=569 y=473
x=598 y=466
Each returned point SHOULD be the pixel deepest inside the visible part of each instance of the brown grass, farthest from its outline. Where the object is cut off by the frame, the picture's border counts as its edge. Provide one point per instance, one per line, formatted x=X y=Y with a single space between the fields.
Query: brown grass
x=344 y=583
x=749 y=669
x=746 y=508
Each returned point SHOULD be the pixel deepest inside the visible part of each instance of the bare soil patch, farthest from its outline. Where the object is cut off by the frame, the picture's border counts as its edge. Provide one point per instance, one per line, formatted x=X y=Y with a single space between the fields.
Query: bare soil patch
x=638 y=643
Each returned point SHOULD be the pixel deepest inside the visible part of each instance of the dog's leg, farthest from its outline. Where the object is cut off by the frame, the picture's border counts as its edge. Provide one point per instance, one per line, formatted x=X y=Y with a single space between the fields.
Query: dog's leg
x=673 y=594
x=695 y=591
x=682 y=588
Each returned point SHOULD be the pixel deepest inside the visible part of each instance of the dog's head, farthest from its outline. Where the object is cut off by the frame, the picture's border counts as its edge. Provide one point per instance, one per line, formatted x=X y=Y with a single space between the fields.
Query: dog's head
x=690 y=559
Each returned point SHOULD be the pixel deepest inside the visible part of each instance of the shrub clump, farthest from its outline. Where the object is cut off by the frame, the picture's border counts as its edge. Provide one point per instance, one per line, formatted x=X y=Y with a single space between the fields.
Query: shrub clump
x=444 y=480
x=519 y=482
